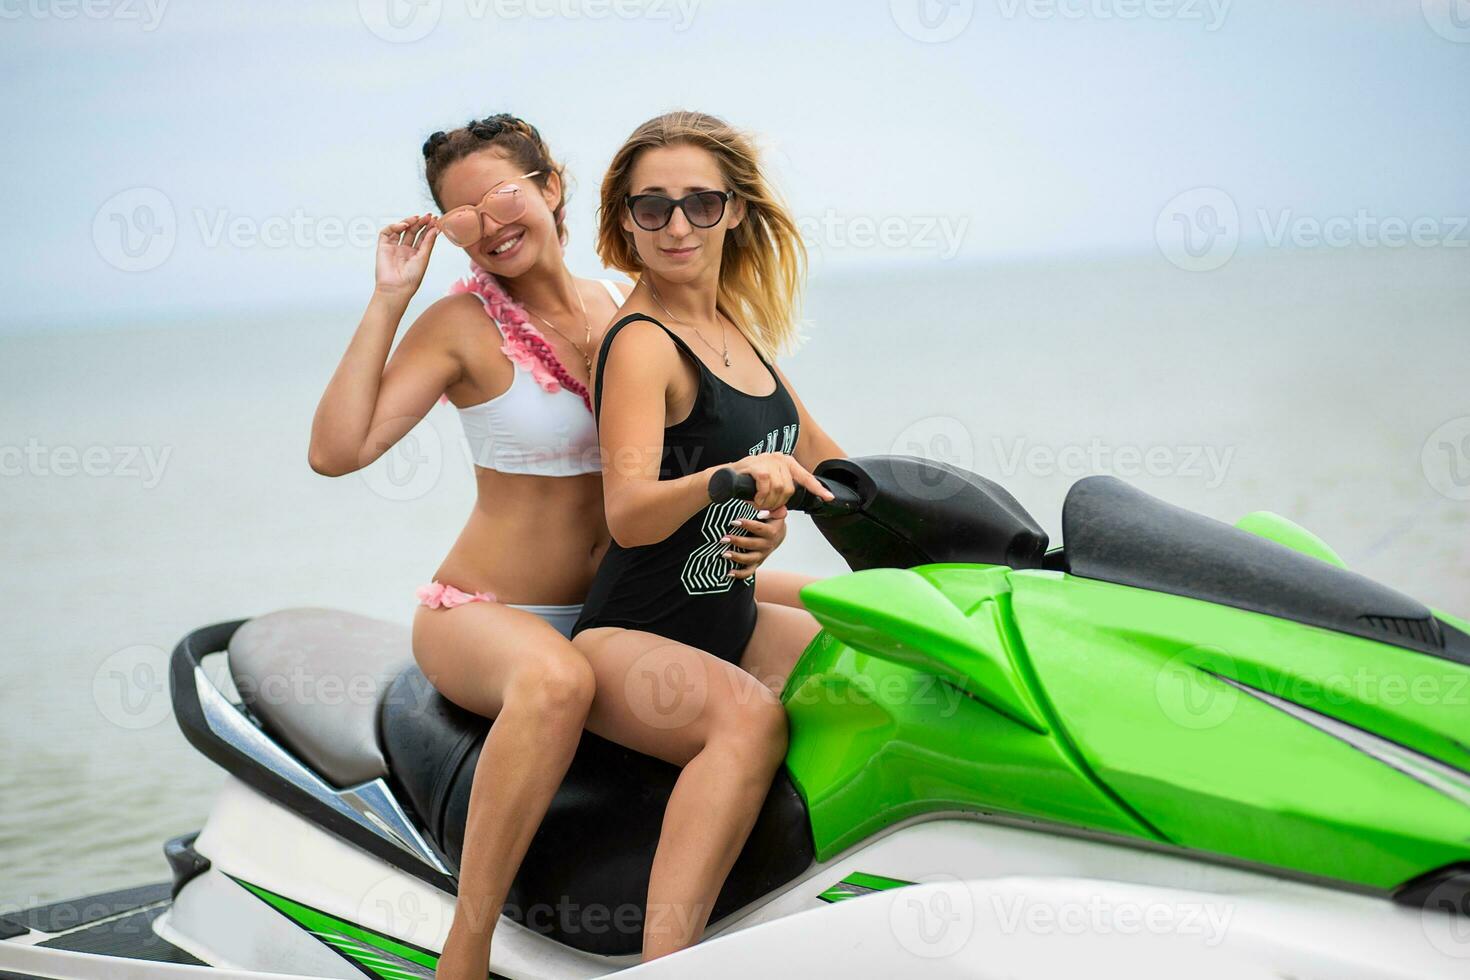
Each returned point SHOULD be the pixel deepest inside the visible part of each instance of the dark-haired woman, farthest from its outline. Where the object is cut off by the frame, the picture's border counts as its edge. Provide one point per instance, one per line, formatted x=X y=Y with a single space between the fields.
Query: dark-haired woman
x=510 y=348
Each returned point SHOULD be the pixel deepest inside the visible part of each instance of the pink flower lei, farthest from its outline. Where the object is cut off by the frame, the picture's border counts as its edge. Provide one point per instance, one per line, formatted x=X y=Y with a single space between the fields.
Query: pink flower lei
x=522 y=343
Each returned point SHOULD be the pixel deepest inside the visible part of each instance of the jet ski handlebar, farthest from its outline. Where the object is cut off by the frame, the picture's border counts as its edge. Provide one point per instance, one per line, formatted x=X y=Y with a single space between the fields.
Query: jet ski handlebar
x=729 y=484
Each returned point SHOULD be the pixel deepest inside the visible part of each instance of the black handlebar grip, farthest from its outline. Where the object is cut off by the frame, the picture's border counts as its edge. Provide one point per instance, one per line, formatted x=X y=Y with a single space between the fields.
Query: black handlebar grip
x=728 y=484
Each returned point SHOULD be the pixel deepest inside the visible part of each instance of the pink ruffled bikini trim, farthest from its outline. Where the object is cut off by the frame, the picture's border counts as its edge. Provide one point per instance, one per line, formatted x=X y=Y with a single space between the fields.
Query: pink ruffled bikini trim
x=522 y=343
x=437 y=595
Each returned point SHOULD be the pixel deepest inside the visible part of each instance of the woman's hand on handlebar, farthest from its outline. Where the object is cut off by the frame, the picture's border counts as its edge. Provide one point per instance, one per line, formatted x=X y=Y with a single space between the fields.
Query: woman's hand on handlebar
x=777 y=475
x=403 y=256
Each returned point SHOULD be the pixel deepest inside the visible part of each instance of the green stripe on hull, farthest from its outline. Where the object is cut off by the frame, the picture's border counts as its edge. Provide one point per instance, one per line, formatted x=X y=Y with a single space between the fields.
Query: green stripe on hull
x=374 y=953
x=860 y=883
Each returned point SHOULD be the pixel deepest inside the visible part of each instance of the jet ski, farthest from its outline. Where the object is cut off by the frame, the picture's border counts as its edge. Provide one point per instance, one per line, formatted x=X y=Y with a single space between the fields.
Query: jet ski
x=1169 y=745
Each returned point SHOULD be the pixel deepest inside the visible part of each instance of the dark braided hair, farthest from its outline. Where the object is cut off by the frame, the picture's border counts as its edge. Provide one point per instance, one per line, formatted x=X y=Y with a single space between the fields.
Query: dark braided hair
x=513 y=137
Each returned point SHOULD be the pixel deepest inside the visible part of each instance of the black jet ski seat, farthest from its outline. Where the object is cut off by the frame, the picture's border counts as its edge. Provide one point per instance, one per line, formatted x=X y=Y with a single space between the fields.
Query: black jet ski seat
x=343 y=693
x=584 y=880
x=1116 y=533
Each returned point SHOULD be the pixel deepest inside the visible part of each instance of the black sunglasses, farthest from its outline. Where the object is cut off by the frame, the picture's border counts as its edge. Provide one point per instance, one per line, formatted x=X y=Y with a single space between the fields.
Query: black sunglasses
x=703 y=209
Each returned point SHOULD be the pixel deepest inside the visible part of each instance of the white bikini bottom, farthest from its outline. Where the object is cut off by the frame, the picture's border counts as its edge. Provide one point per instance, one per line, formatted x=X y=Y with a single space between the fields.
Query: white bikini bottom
x=437 y=595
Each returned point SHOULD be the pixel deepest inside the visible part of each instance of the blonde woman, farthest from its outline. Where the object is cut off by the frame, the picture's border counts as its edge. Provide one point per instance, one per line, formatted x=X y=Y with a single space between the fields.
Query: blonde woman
x=511 y=350
x=686 y=385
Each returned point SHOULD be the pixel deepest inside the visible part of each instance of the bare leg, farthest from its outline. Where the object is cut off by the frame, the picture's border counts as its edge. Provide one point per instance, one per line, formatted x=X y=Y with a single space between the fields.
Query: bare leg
x=726 y=730
x=781 y=635
x=782 y=588
x=507 y=664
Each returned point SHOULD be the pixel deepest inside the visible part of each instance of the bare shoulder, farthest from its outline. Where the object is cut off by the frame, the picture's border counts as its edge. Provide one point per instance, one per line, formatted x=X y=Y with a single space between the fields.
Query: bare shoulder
x=645 y=355
x=458 y=324
x=456 y=314
x=640 y=338
x=596 y=283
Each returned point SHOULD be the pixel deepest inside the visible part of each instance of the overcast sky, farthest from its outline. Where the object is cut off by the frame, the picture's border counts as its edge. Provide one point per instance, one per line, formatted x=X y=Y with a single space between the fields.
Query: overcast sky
x=182 y=158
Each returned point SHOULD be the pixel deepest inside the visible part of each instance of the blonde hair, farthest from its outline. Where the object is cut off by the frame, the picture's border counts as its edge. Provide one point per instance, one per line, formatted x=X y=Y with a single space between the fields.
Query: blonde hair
x=764 y=260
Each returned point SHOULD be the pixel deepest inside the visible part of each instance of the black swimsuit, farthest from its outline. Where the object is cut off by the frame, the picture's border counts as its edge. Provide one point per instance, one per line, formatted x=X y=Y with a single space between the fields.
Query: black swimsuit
x=678 y=587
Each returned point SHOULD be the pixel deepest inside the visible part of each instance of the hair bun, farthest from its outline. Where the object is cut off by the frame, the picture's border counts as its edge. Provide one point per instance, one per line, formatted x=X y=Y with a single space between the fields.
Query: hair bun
x=487 y=128
x=434 y=141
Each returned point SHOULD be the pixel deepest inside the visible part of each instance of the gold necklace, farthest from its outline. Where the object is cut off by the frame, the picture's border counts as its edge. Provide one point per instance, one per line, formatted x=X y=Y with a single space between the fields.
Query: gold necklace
x=586 y=357
x=723 y=341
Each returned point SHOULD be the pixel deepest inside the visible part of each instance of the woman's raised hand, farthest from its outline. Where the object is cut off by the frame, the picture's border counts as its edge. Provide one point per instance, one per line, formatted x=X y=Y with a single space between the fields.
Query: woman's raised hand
x=777 y=475
x=403 y=255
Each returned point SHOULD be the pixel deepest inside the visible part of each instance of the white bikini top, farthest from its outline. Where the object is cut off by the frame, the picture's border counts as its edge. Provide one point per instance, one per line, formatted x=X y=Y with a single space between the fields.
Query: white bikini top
x=536 y=426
